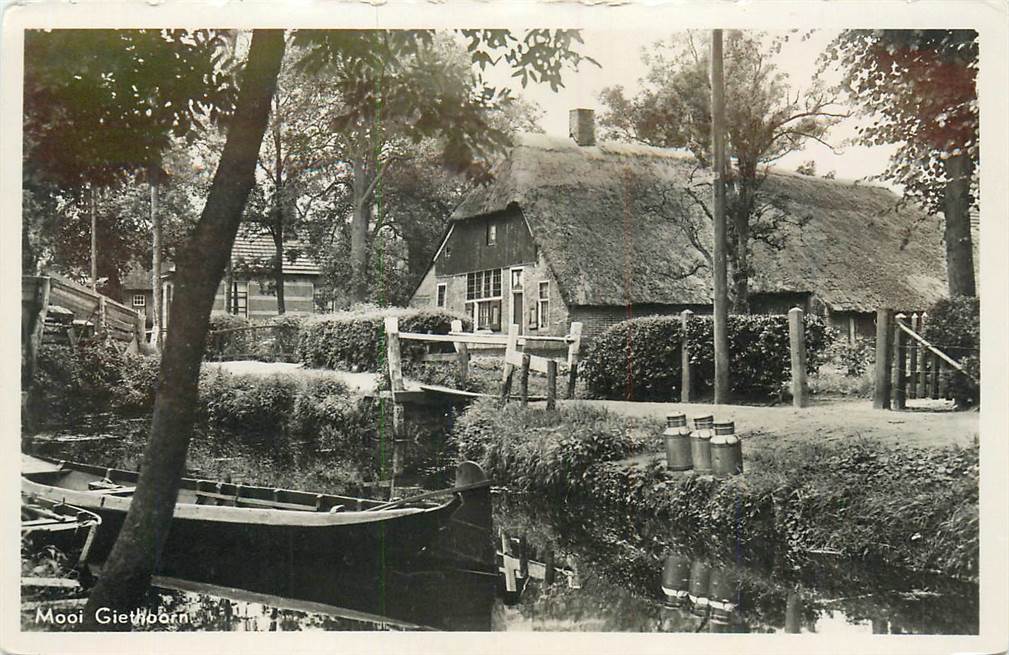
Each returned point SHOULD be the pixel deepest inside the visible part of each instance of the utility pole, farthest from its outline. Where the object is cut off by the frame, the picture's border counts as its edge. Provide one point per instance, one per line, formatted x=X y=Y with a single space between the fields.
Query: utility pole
x=720 y=283
x=94 y=242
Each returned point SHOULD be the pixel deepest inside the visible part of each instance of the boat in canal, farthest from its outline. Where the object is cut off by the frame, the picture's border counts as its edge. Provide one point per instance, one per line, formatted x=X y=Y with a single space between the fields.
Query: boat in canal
x=218 y=526
x=69 y=529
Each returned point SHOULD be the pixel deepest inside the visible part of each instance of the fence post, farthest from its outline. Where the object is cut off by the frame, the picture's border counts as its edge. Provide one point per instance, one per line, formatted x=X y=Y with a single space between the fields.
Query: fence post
x=393 y=354
x=551 y=383
x=922 y=358
x=573 y=350
x=462 y=351
x=524 y=379
x=685 y=317
x=944 y=375
x=797 y=345
x=912 y=360
x=101 y=323
x=936 y=372
x=509 y=369
x=900 y=363
x=881 y=389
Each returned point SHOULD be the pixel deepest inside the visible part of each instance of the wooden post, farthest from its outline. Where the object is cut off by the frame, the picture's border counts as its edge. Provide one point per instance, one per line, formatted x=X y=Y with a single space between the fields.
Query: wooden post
x=884 y=359
x=685 y=381
x=549 y=570
x=551 y=384
x=393 y=354
x=900 y=364
x=922 y=358
x=462 y=351
x=944 y=375
x=936 y=374
x=574 y=348
x=94 y=242
x=524 y=379
x=912 y=361
x=140 y=331
x=797 y=346
x=101 y=324
x=509 y=369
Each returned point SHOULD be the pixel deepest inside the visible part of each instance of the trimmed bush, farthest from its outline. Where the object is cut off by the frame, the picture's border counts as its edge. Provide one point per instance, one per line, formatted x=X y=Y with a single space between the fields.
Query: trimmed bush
x=71 y=382
x=354 y=340
x=954 y=327
x=639 y=359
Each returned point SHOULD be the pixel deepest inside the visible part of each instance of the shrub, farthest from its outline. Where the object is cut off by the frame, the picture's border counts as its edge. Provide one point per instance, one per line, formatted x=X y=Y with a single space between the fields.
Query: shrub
x=543 y=451
x=247 y=404
x=74 y=381
x=854 y=359
x=139 y=382
x=953 y=326
x=229 y=344
x=640 y=359
x=354 y=340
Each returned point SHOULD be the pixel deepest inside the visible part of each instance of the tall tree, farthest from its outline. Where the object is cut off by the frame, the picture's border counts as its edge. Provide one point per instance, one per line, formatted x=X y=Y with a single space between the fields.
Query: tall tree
x=919 y=87
x=765 y=120
x=538 y=55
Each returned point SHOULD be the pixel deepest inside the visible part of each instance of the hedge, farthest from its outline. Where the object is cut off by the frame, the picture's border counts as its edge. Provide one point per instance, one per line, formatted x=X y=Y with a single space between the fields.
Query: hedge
x=354 y=340
x=268 y=345
x=639 y=359
x=954 y=326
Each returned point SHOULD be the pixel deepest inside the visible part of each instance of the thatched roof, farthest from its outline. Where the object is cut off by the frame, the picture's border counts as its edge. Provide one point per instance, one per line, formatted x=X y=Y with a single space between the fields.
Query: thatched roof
x=607 y=219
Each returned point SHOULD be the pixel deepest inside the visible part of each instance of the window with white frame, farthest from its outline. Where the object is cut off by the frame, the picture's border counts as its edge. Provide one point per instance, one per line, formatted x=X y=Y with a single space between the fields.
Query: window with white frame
x=483 y=298
x=543 y=305
x=441 y=294
x=139 y=300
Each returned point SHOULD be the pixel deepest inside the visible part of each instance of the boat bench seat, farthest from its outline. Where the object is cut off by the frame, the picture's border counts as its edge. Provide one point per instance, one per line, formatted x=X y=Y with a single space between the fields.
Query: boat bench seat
x=245 y=501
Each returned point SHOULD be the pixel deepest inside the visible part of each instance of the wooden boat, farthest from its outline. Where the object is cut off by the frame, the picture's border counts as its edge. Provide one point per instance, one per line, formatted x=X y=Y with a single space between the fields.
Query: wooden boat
x=222 y=525
x=69 y=529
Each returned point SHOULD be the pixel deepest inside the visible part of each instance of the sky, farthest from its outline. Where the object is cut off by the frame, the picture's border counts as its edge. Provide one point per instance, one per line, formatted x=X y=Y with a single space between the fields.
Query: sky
x=619 y=55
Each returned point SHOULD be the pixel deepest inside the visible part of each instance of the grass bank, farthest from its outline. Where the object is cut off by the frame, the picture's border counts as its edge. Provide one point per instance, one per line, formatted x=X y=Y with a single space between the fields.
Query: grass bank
x=915 y=508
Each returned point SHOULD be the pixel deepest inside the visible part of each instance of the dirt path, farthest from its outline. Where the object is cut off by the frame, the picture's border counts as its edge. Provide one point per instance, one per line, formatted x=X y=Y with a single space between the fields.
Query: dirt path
x=926 y=424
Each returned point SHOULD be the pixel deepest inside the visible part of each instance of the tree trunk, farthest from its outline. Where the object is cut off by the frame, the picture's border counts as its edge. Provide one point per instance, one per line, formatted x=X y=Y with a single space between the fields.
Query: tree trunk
x=360 y=221
x=127 y=572
x=153 y=180
x=278 y=265
x=277 y=229
x=959 y=248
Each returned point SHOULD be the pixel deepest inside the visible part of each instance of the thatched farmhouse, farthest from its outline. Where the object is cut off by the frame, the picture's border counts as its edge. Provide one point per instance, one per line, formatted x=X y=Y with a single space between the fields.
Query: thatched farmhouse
x=574 y=230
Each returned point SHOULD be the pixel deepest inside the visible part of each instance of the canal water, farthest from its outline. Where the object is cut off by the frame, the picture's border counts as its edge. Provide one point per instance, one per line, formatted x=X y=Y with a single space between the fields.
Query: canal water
x=569 y=568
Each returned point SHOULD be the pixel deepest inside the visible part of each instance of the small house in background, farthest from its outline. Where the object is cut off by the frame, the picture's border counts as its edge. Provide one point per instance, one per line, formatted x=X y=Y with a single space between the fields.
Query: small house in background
x=575 y=230
x=253 y=288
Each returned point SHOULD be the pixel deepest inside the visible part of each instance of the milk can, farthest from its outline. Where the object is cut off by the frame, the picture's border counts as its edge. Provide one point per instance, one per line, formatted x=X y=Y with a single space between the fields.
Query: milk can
x=726 y=450
x=677 y=438
x=700 y=443
x=700 y=580
x=723 y=594
x=676 y=579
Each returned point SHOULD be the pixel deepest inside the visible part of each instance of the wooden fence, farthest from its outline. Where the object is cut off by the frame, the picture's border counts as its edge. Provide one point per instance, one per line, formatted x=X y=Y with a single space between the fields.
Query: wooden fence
x=248 y=342
x=907 y=365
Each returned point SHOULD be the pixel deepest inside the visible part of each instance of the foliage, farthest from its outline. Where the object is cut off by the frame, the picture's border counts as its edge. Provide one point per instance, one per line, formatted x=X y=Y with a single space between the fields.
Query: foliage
x=853 y=358
x=72 y=381
x=543 y=451
x=354 y=340
x=640 y=359
x=918 y=86
x=764 y=119
x=954 y=327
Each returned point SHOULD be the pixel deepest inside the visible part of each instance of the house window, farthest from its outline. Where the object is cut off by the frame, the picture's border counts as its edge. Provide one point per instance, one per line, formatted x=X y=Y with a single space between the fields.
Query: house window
x=516 y=279
x=139 y=300
x=543 y=305
x=442 y=289
x=491 y=234
x=483 y=298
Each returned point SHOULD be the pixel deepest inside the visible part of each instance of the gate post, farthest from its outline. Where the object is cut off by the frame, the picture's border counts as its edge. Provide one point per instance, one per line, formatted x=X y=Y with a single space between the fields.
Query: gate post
x=797 y=345
x=884 y=359
x=900 y=365
x=912 y=360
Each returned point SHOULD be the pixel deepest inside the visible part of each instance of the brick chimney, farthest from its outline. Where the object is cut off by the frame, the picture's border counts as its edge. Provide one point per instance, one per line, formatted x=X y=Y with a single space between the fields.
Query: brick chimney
x=582 y=126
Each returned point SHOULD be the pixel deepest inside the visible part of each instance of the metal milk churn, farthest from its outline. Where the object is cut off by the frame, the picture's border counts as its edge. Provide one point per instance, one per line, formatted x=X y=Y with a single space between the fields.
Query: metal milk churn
x=677 y=438
x=723 y=594
x=700 y=581
x=726 y=450
x=676 y=579
x=700 y=443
